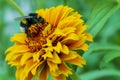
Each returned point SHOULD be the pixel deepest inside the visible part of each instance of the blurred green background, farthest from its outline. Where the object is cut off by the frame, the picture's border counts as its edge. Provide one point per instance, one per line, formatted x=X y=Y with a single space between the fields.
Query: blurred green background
x=103 y=18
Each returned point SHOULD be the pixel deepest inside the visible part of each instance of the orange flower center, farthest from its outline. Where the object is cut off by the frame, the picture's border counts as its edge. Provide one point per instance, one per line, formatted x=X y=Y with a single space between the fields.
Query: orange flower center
x=38 y=34
x=36 y=38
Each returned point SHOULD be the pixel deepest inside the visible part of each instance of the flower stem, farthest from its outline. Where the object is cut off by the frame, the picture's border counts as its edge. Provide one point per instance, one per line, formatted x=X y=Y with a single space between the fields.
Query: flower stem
x=16 y=7
x=64 y=2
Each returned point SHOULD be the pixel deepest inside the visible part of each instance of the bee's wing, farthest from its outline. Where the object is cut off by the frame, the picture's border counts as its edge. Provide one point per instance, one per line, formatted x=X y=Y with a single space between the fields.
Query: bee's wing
x=24 y=17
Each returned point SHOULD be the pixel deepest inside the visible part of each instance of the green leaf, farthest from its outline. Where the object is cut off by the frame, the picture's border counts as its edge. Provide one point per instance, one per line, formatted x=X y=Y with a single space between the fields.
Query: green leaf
x=101 y=47
x=100 y=16
x=109 y=57
x=99 y=73
x=97 y=13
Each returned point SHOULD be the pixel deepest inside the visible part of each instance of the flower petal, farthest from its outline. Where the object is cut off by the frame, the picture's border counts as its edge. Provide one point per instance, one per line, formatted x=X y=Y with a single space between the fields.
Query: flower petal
x=65 y=49
x=70 y=56
x=61 y=12
x=29 y=66
x=58 y=47
x=35 y=69
x=25 y=57
x=73 y=58
x=36 y=56
x=89 y=37
x=70 y=21
x=15 y=62
x=18 y=72
x=64 y=69
x=53 y=66
x=68 y=30
x=81 y=29
x=77 y=61
x=11 y=48
x=47 y=54
x=20 y=38
x=75 y=44
x=83 y=47
x=71 y=36
x=55 y=59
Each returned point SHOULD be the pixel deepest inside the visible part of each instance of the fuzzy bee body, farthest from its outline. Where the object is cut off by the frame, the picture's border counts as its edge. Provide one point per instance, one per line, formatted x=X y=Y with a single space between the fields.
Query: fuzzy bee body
x=27 y=24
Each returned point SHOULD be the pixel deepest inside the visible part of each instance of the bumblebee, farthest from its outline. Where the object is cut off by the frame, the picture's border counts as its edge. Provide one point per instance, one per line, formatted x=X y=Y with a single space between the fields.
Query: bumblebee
x=31 y=24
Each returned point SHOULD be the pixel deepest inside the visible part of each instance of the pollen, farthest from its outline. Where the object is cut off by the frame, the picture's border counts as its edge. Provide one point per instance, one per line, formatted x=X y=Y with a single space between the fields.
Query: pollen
x=37 y=37
x=35 y=44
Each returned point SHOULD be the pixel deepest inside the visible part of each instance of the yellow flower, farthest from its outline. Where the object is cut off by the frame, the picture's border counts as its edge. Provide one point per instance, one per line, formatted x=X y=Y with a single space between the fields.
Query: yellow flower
x=54 y=46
